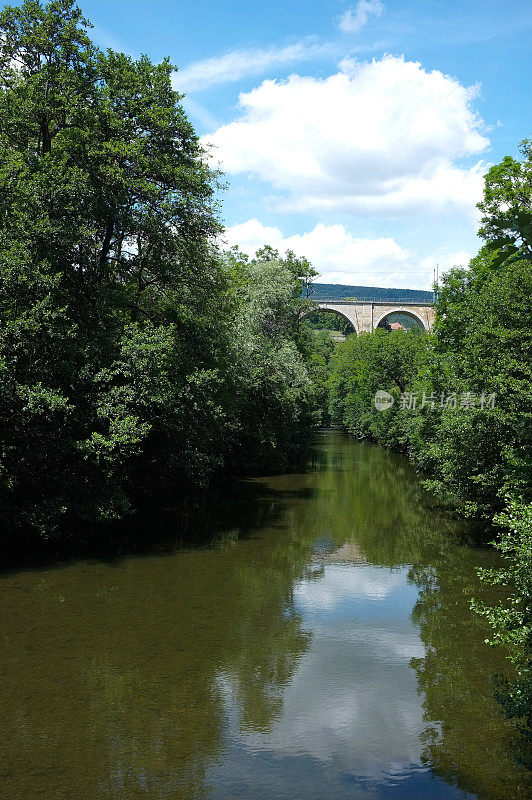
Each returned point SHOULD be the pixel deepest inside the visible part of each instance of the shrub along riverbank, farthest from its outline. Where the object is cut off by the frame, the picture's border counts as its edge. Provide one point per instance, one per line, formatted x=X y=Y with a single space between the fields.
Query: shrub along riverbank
x=463 y=401
x=135 y=355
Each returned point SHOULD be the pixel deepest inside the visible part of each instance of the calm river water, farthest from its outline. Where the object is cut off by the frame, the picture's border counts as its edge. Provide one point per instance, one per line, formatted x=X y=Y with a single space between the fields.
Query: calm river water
x=318 y=646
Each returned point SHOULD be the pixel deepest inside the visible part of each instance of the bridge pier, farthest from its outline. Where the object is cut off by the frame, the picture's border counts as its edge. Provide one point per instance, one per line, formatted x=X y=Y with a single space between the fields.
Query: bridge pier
x=365 y=316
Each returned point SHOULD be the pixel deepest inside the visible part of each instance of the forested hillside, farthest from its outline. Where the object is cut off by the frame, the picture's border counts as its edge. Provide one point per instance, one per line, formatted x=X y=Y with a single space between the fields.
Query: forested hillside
x=336 y=291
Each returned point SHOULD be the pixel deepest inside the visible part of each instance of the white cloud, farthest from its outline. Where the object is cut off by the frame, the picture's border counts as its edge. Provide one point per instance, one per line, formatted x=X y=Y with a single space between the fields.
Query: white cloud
x=238 y=64
x=343 y=258
x=341 y=583
x=251 y=235
x=377 y=137
x=352 y=700
x=353 y=21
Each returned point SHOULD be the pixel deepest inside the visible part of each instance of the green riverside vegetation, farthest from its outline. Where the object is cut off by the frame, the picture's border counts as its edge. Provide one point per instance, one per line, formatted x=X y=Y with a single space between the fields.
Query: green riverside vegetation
x=136 y=356
x=463 y=402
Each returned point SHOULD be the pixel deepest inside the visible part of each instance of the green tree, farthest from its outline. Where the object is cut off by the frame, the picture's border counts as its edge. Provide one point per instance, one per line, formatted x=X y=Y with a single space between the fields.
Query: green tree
x=133 y=354
x=383 y=360
x=327 y=321
x=507 y=207
x=106 y=214
x=274 y=390
x=473 y=440
x=512 y=621
x=483 y=340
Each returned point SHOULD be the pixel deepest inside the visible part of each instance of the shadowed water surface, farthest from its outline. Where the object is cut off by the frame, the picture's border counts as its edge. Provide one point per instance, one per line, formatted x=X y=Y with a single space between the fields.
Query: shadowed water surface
x=319 y=646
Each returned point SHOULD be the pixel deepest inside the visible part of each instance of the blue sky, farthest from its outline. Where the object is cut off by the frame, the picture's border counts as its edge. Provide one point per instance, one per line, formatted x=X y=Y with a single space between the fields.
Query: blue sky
x=355 y=133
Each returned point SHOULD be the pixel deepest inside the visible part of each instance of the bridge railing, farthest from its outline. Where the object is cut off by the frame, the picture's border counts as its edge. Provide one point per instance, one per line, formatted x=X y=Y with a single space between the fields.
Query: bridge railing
x=379 y=300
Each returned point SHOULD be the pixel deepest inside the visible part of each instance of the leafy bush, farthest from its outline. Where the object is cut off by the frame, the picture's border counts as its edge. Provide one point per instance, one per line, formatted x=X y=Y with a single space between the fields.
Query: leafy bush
x=512 y=620
x=134 y=356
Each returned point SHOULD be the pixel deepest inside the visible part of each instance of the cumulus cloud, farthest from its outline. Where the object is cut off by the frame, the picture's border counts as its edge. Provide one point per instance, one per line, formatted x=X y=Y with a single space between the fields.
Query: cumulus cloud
x=343 y=258
x=384 y=136
x=352 y=21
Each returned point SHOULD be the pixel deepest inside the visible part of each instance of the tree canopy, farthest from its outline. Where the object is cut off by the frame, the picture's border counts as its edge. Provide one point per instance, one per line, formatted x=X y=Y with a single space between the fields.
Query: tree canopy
x=131 y=348
x=507 y=207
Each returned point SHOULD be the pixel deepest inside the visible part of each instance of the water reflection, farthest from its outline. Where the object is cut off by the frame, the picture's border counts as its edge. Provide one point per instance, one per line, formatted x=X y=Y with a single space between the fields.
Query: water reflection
x=353 y=685
x=320 y=647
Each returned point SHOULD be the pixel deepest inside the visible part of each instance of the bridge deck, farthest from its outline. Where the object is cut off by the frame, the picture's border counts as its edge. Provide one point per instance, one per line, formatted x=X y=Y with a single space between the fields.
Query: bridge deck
x=369 y=301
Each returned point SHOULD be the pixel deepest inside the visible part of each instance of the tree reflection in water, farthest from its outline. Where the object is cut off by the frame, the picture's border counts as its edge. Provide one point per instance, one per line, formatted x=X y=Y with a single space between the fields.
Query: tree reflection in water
x=272 y=661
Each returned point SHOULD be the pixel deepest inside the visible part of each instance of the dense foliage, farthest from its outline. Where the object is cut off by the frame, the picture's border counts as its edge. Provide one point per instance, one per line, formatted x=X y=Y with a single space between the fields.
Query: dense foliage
x=383 y=360
x=329 y=321
x=463 y=400
x=133 y=354
x=507 y=207
x=512 y=621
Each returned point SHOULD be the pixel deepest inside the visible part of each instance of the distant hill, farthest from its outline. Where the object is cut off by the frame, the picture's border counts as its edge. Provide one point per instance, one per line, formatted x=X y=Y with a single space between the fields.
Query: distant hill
x=336 y=291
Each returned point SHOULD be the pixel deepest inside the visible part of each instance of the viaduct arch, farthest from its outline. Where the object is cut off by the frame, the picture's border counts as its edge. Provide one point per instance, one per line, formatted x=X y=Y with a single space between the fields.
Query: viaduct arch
x=365 y=315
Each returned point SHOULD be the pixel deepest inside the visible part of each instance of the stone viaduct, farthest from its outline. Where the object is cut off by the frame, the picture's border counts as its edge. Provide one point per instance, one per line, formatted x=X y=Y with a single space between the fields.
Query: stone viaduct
x=365 y=315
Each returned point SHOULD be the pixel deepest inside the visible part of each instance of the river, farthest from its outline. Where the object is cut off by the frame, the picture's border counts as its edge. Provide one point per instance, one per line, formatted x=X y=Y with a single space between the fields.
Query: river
x=310 y=639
